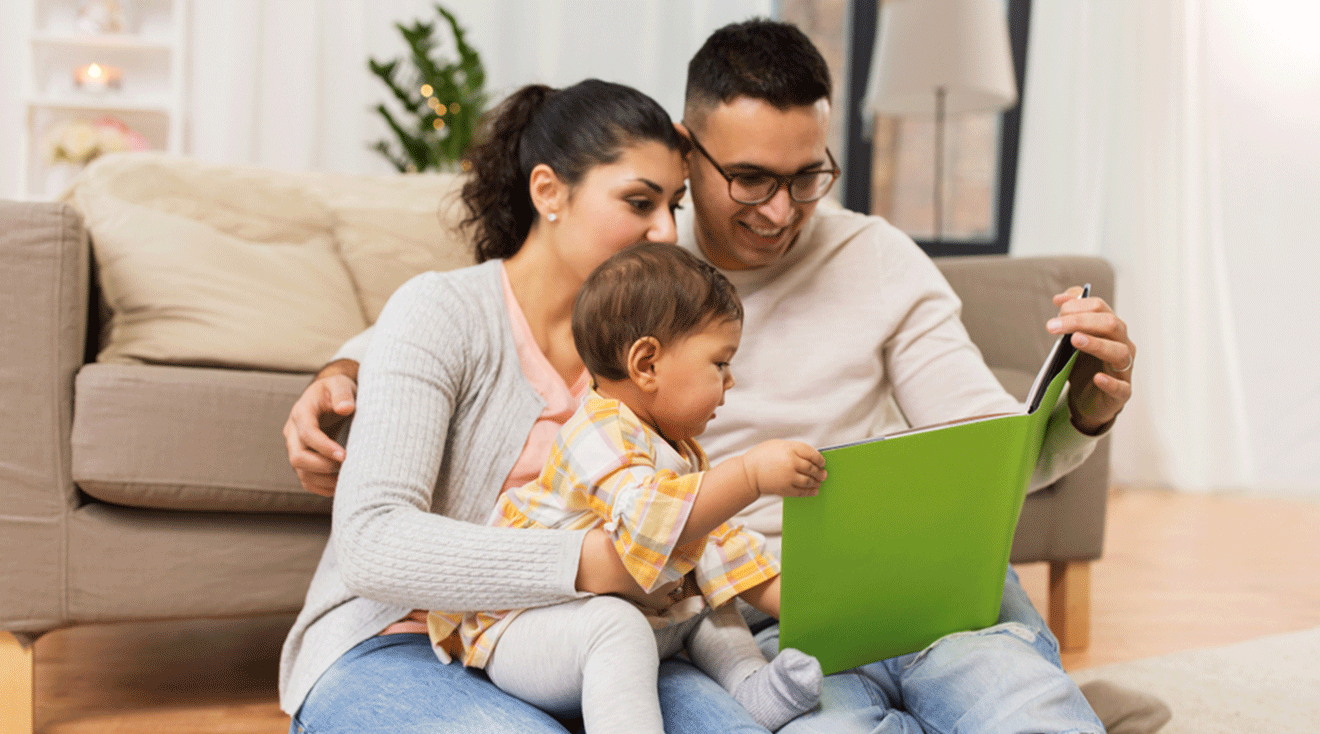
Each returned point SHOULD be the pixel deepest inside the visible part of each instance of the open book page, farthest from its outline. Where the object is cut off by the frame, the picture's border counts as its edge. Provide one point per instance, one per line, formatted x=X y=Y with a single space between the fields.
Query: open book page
x=1062 y=351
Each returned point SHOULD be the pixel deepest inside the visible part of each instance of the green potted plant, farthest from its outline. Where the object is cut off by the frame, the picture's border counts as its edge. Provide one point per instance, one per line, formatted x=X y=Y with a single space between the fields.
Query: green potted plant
x=441 y=98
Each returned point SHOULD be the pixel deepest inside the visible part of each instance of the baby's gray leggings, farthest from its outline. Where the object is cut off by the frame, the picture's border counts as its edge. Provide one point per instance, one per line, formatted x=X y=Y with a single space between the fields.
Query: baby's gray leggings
x=601 y=654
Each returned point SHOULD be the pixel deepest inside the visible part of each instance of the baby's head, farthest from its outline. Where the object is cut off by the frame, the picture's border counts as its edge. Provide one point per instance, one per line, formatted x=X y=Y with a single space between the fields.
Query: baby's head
x=656 y=318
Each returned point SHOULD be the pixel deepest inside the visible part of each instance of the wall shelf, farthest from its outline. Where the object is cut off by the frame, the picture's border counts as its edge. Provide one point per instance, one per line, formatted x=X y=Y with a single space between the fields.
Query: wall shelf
x=151 y=52
x=109 y=40
x=106 y=103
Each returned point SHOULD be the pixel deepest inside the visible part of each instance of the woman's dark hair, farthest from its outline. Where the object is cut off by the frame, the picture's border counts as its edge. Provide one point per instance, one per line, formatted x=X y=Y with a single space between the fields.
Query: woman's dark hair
x=650 y=289
x=571 y=130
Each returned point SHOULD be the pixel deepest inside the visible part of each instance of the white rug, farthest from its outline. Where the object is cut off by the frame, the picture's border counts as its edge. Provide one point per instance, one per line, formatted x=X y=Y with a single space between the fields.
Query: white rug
x=1267 y=685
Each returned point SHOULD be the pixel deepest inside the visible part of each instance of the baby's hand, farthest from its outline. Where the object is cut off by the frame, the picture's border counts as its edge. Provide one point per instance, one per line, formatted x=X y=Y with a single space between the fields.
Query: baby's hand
x=785 y=468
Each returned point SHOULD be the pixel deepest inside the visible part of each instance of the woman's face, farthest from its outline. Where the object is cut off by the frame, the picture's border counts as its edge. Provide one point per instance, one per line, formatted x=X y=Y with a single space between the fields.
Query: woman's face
x=619 y=204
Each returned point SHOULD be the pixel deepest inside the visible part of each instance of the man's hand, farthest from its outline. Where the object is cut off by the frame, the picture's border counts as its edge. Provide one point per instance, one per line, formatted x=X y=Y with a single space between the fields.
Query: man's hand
x=785 y=468
x=320 y=411
x=1101 y=381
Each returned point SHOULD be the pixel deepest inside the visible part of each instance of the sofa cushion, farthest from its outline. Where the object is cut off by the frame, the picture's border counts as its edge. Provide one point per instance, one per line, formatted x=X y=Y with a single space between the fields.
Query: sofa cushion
x=390 y=228
x=187 y=438
x=215 y=265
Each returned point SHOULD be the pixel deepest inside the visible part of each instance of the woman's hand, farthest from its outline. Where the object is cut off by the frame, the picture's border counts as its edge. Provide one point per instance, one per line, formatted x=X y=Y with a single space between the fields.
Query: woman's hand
x=319 y=412
x=601 y=571
x=1101 y=381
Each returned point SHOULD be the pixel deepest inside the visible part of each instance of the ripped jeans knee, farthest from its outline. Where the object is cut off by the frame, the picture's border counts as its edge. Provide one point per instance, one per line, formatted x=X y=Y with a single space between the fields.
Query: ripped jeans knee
x=990 y=642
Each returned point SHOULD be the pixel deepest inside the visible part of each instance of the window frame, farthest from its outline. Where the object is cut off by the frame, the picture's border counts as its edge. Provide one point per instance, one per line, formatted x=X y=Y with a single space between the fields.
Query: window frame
x=857 y=166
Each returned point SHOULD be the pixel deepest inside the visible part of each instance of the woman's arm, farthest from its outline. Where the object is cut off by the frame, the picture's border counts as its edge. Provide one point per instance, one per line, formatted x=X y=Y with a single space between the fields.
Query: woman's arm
x=432 y=338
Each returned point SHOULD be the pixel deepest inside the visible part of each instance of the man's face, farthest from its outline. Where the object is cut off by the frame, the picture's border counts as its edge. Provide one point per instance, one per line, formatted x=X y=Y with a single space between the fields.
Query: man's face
x=750 y=136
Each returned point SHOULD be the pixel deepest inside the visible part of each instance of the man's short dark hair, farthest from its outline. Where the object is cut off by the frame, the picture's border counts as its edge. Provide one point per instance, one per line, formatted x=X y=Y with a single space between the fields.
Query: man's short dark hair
x=759 y=58
x=650 y=289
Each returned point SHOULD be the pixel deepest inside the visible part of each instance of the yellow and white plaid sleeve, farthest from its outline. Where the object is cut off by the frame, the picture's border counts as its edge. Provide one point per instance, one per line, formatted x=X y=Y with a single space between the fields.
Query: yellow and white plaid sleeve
x=733 y=563
x=610 y=461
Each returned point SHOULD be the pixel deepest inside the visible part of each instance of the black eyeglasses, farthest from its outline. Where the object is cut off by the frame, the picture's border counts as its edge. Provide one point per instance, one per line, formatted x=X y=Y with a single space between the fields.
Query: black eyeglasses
x=757 y=188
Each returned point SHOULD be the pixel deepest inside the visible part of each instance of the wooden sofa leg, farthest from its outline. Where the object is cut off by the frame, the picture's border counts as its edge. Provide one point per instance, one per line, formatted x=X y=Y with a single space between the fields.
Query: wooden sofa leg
x=1070 y=603
x=16 y=692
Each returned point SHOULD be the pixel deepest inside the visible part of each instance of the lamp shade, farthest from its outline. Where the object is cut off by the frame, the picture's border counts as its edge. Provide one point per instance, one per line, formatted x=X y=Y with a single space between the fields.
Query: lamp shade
x=960 y=46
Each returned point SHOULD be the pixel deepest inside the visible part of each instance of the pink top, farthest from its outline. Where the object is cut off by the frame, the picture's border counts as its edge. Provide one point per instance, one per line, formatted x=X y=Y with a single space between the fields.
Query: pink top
x=561 y=401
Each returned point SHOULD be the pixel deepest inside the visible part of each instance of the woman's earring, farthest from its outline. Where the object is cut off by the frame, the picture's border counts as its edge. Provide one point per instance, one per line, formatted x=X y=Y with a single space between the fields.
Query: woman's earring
x=552 y=216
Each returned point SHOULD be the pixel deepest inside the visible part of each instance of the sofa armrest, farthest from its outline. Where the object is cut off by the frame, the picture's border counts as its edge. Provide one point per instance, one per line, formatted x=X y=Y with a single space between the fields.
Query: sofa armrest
x=1006 y=302
x=44 y=278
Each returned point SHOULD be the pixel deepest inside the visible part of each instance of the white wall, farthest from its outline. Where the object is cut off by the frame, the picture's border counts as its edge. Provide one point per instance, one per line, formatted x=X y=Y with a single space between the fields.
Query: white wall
x=284 y=82
x=13 y=44
x=1178 y=138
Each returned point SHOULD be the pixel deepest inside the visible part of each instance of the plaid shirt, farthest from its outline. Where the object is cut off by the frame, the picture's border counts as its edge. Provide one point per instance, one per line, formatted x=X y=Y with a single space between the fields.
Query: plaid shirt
x=609 y=470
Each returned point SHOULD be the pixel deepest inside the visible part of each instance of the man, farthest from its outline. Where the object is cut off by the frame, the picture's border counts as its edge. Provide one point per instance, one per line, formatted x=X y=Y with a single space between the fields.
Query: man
x=845 y=319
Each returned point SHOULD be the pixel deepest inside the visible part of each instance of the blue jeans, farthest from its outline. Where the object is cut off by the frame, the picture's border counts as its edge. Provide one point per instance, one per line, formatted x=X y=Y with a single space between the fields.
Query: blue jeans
x=1005 y=678
x=394 y=683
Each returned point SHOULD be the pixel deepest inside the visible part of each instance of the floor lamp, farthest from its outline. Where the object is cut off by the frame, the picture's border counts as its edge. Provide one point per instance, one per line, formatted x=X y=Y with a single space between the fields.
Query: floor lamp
x=940 y=57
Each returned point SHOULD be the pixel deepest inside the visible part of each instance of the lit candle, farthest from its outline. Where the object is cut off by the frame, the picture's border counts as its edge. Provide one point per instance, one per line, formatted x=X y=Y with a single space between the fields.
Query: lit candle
x=97 y=77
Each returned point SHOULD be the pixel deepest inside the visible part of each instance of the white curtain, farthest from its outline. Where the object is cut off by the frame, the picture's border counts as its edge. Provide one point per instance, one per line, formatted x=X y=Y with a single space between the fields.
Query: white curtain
x=1179 y=139
x=284 y=83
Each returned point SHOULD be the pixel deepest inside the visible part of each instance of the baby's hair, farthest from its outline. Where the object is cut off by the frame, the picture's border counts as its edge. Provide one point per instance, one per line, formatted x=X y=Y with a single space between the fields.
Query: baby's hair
x=649 y=289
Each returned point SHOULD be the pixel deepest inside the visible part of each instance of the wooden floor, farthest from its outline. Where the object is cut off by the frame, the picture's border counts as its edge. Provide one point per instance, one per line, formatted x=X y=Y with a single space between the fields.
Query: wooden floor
x=1180 y=572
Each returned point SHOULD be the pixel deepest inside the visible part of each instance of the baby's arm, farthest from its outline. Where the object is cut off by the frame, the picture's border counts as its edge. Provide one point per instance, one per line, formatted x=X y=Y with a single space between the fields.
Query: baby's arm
x=785 y=468
x=653 y=516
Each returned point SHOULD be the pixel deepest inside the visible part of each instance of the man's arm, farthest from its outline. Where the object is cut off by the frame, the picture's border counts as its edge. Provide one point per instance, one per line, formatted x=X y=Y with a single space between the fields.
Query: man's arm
x=321 y=410
x=323 y=407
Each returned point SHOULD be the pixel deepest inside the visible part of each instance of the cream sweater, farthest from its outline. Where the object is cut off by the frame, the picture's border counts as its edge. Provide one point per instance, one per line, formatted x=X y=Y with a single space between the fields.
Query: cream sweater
x=854 y=333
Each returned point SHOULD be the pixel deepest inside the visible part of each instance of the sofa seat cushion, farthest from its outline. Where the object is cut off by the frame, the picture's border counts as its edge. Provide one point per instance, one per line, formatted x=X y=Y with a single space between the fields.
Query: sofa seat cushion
x=187 y=438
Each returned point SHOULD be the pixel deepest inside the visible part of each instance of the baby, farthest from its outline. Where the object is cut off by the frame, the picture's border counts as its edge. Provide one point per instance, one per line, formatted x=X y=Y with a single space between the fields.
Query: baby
x=656 y=329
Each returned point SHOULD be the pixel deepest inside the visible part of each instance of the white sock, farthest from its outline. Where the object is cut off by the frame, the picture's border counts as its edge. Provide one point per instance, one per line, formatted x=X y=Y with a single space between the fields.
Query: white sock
x=782 y=690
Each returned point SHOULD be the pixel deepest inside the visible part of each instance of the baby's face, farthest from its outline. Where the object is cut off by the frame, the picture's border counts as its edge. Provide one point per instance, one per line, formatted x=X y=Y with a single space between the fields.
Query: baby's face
x=692 y=374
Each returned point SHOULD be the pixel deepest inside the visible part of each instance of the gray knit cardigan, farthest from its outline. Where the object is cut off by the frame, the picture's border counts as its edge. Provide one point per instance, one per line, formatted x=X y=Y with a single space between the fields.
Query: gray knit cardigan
x=443 y=413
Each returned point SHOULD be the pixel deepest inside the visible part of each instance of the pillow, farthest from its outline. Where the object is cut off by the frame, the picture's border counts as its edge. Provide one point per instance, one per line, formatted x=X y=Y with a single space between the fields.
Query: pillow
x=392 y=228
x=203 y=264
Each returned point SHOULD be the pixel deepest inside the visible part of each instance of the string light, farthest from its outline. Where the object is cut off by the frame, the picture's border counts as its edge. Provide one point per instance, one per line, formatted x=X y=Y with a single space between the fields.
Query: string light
x=426 y=90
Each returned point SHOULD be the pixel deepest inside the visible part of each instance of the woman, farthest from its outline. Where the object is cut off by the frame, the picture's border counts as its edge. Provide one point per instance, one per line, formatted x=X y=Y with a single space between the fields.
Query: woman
x=468 y=377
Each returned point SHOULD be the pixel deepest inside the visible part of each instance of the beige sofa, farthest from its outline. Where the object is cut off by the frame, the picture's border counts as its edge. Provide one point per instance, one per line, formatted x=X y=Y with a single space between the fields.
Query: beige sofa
x=153 y=484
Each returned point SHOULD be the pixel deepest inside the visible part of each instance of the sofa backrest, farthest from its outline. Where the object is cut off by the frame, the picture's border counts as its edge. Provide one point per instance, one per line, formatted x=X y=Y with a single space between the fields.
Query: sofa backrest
x=239 y=266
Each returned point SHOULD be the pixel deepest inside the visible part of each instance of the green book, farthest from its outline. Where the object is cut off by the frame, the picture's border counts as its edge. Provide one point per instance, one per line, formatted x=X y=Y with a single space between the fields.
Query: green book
x=909 y=537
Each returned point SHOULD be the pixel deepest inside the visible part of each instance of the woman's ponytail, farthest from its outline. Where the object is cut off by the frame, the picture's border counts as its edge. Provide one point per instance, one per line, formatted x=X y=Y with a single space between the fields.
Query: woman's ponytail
x=500 y=211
